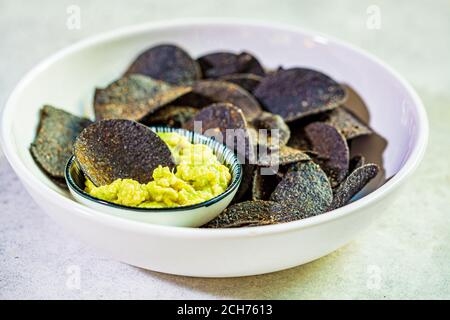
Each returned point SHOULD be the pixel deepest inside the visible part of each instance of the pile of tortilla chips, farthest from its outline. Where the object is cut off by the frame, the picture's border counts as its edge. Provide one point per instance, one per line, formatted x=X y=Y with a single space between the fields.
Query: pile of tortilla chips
x=290 y=128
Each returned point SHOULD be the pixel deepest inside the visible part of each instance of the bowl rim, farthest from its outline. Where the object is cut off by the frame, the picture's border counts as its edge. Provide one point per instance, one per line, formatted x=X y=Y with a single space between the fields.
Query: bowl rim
x=44 y=191
x=235 y=181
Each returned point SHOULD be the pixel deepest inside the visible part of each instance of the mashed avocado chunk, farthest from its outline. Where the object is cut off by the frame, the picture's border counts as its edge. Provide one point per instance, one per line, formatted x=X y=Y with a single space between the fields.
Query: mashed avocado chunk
x=198 y=177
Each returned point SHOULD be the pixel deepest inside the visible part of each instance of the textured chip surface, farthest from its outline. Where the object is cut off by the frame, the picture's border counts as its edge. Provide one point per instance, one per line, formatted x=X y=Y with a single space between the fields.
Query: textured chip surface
x=218 y=117
x=298 y=92
x=280 y=157
x=278 y=132
x=133 y=97
x=221 y=91
x=219 y=64
x=226 y=123
x=168 y=63
x=347 y=123
x=354 y=183
x=305 y=189
x=253 y=213
x=171 y=116
x=111 y=149
x=331 y=148
x=52 y=146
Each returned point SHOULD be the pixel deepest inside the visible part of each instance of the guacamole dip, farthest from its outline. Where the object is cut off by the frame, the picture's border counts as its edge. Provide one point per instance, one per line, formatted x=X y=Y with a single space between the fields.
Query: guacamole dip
x=198 y=177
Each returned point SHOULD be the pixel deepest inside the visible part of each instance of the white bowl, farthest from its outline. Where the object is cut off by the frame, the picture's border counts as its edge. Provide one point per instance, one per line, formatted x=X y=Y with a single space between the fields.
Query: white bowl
x=67 y=79
x=189 y=216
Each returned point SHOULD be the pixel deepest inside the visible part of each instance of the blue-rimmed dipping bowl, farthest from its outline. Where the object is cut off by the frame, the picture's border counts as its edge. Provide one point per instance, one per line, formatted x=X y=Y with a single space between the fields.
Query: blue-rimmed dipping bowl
x=186 y=216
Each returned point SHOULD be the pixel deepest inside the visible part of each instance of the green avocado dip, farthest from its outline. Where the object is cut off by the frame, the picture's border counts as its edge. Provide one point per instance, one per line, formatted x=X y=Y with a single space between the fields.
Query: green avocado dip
x=198 y=177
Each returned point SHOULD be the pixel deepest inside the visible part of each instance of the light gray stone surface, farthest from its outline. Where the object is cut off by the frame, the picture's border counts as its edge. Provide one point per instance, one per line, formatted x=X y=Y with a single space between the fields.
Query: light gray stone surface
x=405 y=254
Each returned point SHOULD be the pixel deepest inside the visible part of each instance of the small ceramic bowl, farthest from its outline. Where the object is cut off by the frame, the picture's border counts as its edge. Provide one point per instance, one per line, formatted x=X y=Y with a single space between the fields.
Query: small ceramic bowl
x=187 y=216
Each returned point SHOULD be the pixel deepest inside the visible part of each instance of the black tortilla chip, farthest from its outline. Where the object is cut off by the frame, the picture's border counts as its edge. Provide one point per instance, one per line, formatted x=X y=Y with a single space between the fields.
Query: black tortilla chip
x=280 y=157
x=171 y=116
x=297 y=92
x=347 y=123
x=133 y=97
x=263 y=183
x=353 y=184
x=305 y=188
x=168 y=63
x=52 y=145
x=218 y=117
x=219 y=64
x=247 y=81
x=111 y=149
x=331 y=148
x=227 y=124
x=271 y=122
x=253 y=213
x=221 y=91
